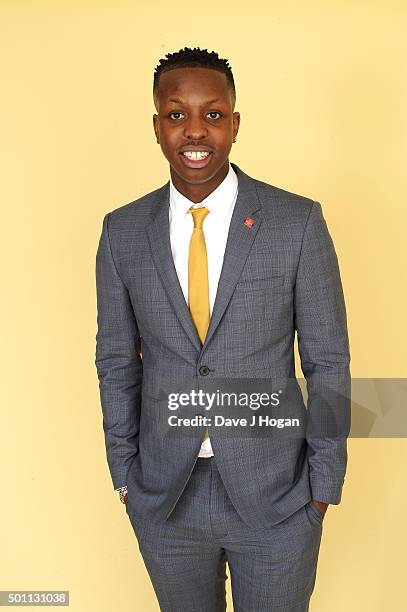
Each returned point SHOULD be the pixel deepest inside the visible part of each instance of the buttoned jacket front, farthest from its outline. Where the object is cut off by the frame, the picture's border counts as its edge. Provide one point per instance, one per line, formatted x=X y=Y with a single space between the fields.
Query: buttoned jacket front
x=280 y=275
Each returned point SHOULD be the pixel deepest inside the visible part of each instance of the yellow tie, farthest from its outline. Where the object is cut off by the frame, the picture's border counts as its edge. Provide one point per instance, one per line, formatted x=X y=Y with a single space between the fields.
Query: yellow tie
x=198 y=283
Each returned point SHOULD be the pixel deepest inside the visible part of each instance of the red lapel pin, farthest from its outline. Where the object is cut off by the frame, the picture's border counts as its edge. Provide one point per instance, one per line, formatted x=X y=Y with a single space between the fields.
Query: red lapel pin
x=249 y=222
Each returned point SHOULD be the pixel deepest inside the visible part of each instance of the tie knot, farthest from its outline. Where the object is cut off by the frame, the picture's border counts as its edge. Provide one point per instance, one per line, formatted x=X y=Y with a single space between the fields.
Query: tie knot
x=198 y=215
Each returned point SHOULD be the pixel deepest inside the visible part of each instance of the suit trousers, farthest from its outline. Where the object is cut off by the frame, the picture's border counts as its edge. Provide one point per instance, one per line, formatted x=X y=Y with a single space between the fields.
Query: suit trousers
x=272 y=569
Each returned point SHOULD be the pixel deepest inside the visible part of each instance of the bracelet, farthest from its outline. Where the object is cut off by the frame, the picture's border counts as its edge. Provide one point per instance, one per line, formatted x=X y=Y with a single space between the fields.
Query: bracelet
x=122 y=493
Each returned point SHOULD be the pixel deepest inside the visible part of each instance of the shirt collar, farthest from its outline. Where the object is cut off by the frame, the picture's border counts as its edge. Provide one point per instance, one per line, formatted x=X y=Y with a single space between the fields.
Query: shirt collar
x=219 y=202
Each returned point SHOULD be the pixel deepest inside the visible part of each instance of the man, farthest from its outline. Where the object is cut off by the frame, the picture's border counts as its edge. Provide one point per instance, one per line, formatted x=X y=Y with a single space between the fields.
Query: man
x=207 y=279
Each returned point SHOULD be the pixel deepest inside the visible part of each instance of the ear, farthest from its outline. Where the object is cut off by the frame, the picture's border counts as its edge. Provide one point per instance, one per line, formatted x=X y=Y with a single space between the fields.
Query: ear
x=156 y=127
x=236 y=124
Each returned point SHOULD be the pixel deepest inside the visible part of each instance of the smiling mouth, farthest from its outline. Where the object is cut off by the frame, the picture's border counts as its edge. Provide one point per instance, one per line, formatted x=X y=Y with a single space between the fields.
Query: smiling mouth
x=196 y=159
x=196 y=154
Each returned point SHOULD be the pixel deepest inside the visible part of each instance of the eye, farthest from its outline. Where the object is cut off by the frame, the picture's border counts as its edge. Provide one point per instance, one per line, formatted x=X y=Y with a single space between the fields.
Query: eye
x=175 y=113
x=214 y=113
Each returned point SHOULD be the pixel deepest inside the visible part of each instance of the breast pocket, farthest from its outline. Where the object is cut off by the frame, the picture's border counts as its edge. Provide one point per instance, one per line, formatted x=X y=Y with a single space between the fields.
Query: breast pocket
x=252 y=297
x=256 y=284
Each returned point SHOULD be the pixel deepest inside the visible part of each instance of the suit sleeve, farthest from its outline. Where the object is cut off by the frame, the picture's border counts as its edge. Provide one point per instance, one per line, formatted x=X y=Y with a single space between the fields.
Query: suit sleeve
x=320 y=321
x=118 y=363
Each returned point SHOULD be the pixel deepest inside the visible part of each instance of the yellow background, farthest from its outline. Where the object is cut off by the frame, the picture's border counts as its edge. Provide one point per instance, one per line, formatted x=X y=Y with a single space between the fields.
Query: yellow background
x=322 y=93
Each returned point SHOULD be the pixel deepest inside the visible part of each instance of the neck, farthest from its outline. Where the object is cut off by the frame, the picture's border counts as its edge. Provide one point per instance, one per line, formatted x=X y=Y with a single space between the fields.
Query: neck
x=196 y=192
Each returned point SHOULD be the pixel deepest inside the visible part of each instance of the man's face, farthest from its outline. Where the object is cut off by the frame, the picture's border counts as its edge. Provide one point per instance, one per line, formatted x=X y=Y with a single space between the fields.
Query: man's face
x=195 y=125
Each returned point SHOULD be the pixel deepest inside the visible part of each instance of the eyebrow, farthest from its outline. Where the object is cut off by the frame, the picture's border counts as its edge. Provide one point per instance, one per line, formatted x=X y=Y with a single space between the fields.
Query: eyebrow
x=180 y=101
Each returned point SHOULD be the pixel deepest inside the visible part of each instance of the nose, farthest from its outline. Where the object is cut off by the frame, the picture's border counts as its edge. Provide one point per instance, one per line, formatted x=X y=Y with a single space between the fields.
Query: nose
x=194 y=129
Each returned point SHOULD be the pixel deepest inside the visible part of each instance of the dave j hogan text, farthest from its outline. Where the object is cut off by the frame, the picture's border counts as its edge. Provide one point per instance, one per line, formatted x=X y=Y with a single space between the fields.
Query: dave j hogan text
x=256 y=420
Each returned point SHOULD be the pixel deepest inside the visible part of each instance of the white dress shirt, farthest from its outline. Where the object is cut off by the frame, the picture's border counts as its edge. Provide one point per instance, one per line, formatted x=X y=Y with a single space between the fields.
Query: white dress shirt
x=220 y=204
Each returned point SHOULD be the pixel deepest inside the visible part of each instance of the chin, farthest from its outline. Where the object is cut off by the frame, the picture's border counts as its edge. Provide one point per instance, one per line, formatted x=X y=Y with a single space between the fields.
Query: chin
x=190 y=175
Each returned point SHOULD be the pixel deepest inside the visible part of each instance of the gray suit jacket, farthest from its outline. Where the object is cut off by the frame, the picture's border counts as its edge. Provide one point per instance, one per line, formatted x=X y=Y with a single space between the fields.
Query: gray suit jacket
x=279 y=275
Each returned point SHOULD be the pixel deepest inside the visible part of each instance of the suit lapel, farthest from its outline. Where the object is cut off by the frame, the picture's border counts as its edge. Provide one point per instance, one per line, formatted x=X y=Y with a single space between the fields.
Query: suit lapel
x=158 y=233
x=239 y=242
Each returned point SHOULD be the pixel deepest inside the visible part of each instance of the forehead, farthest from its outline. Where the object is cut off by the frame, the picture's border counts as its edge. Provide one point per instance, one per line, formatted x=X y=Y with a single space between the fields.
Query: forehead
x=193 y=84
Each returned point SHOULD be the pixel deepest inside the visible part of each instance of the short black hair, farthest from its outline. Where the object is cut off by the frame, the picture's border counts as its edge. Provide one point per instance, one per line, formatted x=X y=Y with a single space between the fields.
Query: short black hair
x=194 y=58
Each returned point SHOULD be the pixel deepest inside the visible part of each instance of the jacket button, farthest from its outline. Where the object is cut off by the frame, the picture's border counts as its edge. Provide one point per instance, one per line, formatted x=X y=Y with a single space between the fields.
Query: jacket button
x=204 y=370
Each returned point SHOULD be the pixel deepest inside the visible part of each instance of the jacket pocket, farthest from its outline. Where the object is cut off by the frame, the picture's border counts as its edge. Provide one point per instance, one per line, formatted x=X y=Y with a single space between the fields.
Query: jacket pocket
x=252 y=284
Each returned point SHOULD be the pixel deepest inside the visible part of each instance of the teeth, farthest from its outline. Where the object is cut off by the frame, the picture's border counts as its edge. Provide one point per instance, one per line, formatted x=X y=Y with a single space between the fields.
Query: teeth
x=196 y=154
